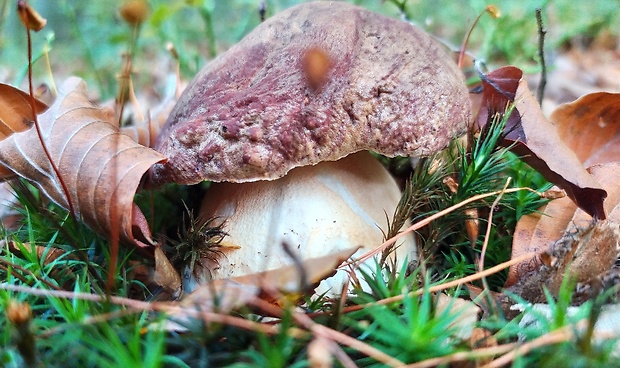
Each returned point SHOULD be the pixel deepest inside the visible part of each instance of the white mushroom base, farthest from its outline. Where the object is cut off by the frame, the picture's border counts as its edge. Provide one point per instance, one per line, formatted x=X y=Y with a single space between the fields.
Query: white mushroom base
x=316 y=211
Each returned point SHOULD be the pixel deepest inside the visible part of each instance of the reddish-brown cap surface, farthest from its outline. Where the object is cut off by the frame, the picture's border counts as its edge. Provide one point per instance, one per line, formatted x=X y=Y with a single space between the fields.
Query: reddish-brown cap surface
x=265 y=107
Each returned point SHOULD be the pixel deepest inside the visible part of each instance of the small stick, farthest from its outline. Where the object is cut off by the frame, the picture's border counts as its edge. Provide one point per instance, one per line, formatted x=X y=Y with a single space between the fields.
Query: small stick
x=541 y=54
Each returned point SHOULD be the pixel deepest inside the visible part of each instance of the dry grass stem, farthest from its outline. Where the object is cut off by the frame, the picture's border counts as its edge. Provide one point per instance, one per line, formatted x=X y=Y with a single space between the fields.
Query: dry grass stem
x=447 y=285
x=420 y=224
x=464 y=355
x=487 y=234
x=331 y=334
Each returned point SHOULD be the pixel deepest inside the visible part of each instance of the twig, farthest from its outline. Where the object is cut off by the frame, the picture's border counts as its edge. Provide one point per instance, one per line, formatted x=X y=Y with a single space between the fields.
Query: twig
x=558 y=336
x=17 y=275
x=541 y=54
x=354 y=343
x=344 y=359
x=99 y=318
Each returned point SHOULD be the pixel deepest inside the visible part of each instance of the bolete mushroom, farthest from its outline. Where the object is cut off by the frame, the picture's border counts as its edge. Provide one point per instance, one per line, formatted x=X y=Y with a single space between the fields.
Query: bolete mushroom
x=282 y=141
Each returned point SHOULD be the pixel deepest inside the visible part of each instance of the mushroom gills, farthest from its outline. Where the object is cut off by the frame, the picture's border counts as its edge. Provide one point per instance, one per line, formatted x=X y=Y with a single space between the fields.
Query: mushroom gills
x=314 y=211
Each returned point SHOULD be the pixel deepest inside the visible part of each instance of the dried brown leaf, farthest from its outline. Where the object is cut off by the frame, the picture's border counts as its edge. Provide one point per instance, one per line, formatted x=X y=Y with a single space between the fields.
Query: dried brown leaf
x=165 y=274
x=224 y=295
x=289 y=279
x=583 y=253
x=15 y=111
x=578 y=72
x=9 y=215
x=531 y=136
x=15 y=116
x=590 y=126
x=101 y=167
x=221 y=295
x=467 y=312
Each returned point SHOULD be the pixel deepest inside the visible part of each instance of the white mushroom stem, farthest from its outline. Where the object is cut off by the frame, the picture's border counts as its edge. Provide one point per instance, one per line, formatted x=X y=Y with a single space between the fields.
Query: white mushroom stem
x=316 y=210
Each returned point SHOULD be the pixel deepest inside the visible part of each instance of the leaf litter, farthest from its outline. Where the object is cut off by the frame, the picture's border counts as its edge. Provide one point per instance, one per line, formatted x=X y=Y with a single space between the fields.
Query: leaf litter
x=591 y=202
x=563 y=235
x=102 y=167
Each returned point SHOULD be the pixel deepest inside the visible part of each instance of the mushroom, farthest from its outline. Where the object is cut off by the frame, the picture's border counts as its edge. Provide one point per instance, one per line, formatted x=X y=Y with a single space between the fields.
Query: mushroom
x=283 y=122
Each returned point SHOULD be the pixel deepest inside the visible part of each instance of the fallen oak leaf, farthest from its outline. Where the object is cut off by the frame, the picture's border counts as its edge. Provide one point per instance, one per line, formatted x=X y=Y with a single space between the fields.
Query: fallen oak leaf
x=101 y=167
x=531 y=136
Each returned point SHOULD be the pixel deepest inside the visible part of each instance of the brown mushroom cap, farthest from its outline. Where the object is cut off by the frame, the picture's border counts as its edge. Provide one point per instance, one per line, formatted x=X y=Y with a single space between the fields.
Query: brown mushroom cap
x=254 y=113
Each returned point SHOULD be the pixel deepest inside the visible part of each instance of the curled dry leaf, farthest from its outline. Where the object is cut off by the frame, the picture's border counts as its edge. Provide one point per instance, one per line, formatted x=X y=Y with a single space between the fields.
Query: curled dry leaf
x=9 y=215
x=531 y=136
x=165 y=274
x=15 y=110
x=578 y=72
x=220 y=296
x=46 y=254
x=101 y=167
x=15 y=115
